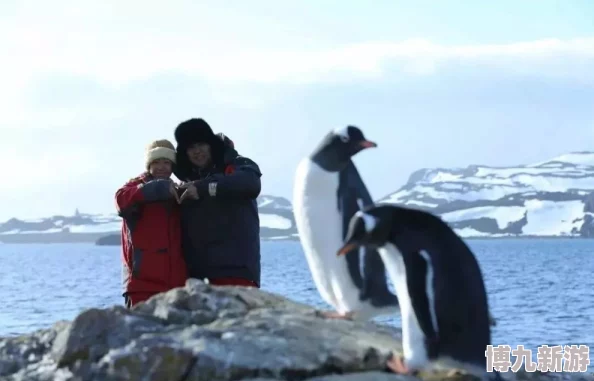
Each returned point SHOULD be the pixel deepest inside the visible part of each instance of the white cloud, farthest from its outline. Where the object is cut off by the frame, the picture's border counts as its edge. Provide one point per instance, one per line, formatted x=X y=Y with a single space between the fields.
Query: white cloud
x=100 y=42
x=116 y=42
x=114 y=61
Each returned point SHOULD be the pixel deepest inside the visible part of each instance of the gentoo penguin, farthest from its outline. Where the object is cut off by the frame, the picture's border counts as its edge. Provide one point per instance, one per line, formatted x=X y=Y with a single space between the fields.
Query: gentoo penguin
x=439 y=284
x=328 y=191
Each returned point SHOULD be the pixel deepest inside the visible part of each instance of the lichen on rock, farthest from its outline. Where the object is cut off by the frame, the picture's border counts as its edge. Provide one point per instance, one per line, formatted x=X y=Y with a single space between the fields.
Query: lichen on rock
x=202 y=332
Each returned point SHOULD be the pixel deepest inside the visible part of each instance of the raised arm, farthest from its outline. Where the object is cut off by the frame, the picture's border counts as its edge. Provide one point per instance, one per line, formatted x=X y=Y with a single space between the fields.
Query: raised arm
x=241 y=180
x=137 y=191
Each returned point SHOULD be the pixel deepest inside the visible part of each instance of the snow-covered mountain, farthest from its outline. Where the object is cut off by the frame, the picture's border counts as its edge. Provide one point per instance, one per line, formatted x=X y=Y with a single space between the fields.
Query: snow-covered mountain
x=276 y=218
x=551 y=198
x=276 y=222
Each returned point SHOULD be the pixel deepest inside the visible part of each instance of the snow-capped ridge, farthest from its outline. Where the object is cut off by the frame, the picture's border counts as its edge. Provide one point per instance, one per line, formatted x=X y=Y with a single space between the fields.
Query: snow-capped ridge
x=276 y=222
x=577 y=158
x=546 y=198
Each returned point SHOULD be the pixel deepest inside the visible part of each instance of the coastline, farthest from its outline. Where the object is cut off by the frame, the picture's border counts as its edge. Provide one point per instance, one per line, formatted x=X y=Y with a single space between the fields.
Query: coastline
x=42 y=238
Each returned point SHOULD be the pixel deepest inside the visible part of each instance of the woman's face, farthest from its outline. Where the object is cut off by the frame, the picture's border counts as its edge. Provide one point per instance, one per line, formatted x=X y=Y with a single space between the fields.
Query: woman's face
x=199 y=154
x=161 y=168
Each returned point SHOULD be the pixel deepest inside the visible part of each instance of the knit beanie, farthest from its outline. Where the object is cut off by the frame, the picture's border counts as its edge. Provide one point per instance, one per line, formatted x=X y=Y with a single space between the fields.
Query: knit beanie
x=159 y=149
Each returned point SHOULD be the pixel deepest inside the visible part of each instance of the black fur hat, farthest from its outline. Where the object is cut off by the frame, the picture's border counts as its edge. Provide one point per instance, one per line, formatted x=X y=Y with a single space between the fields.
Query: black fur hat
x=194 y=130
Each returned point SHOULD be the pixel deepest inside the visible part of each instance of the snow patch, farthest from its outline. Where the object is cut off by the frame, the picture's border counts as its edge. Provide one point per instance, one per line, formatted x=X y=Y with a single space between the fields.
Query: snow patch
x=470 y=232
x=99 y=228
x=420 y=203
x=553 y=218
x=274 y=221
x=18 y=231
x=504 y=216
x=576 y=158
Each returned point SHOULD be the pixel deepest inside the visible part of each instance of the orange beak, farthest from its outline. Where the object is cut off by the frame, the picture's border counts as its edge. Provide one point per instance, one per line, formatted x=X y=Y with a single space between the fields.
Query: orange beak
x=346 y=248
x=367 y=144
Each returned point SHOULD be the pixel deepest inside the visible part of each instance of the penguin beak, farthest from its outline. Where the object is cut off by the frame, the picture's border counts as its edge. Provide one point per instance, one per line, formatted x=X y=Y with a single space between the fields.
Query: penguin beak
x=367 y=144
x=346 y=248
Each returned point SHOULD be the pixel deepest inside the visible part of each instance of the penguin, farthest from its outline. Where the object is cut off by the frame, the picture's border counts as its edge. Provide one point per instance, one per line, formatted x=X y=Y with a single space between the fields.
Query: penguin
x=438 y=282
x=327 y=192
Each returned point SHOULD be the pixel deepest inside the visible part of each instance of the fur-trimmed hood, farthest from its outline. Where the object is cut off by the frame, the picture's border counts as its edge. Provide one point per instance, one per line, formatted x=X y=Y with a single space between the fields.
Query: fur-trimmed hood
x=196 y=130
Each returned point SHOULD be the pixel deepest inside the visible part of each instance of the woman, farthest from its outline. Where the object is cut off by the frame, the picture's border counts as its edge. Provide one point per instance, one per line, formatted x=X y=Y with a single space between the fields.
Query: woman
x=151 y=234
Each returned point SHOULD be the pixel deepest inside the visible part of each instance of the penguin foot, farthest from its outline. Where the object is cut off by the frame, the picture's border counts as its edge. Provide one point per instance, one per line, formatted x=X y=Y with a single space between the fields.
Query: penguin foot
x=396 y=365
x=336 y=315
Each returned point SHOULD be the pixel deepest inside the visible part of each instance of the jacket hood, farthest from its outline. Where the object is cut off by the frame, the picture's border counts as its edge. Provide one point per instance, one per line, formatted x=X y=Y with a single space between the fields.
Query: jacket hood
x=196 y=130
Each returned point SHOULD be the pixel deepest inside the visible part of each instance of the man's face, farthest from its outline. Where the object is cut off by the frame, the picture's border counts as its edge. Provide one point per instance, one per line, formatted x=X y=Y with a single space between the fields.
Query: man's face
x=161 y=168
x=199 y=154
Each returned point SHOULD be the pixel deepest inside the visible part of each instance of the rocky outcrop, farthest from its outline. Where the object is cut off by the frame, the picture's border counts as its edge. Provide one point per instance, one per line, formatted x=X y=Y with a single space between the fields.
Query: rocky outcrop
x=201 y=332
x=587 y=229
x=109 y=240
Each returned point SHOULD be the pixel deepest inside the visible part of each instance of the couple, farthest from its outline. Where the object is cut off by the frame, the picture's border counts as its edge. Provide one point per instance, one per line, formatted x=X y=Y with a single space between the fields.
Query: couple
x=206 y=228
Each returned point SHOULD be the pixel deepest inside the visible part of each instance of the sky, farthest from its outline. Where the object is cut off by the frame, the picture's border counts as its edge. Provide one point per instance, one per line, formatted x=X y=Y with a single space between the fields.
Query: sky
x=85 y=86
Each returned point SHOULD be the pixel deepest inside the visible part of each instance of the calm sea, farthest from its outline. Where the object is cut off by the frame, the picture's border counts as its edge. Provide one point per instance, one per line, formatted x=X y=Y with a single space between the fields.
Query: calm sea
x=540 y=291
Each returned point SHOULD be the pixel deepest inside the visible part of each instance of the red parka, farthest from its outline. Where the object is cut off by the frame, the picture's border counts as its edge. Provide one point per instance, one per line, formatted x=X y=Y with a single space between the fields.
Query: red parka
x=151 y=236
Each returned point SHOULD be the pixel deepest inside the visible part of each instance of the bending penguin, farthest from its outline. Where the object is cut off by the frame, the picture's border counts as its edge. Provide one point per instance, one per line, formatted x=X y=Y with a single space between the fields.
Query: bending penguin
x=439 y=284
x=328 y=191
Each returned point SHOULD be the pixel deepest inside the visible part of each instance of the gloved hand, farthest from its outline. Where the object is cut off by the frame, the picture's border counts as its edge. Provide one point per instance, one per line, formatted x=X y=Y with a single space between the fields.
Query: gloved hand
x=194 y=190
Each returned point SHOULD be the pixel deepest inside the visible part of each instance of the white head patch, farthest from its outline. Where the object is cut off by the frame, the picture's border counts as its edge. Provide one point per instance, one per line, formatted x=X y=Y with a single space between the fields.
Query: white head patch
x=368 y=220
x=343 y=132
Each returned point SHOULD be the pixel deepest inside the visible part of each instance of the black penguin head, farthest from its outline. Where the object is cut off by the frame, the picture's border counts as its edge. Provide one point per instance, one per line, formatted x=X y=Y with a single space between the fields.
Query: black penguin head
x=338 y=146
x=370 y=227
x=407 y=228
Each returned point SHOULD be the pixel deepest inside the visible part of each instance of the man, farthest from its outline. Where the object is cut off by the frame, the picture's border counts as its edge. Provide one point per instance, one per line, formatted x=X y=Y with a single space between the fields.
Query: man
x=220 y=222
x=151 y=233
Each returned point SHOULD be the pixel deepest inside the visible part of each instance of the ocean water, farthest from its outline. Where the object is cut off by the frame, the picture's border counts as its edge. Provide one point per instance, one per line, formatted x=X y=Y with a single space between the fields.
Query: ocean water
x=540 y=291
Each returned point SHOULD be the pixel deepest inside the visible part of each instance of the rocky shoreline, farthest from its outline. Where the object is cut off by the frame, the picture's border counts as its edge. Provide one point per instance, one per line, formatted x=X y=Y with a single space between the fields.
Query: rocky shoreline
x=200 y=332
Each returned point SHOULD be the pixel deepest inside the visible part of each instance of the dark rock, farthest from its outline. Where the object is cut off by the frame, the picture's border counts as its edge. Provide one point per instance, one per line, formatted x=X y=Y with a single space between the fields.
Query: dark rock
x=109 y=240
x=364 y=376
x=587 y=228
x=201 y=332
x=92 y=333
x=21 y=351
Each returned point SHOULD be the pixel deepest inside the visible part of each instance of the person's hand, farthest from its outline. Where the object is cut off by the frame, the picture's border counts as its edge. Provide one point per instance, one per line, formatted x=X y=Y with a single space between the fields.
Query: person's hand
x=173 y=191
x=190 y=192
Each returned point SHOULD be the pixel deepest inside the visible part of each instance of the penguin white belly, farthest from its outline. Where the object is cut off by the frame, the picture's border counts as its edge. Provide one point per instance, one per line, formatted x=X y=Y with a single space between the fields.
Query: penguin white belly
x=413 y=344
x=319 y=224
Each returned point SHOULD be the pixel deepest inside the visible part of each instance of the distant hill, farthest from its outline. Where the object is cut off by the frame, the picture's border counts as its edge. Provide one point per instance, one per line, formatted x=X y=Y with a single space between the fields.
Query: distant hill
x=276 y=223
x=552 y=198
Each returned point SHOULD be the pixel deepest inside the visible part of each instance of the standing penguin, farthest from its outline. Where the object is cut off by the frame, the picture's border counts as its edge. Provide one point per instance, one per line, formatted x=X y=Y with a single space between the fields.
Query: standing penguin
x=328 y=191
x=438 y=282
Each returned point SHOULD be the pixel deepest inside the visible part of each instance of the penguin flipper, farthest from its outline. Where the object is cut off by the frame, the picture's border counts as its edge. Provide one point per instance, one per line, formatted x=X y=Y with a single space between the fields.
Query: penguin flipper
x=348 y=205
x=424 y=308
x=371 y=279
x=375 y=282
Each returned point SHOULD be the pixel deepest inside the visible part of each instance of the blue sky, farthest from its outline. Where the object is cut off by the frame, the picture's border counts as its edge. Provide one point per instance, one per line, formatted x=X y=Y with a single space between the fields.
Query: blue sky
x=86 y=85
